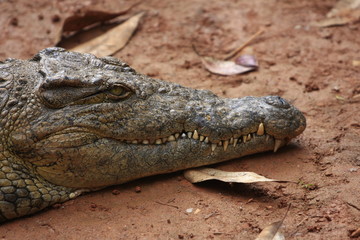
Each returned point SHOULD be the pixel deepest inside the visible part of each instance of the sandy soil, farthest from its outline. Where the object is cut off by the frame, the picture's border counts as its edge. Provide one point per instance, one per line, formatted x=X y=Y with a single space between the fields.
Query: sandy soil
x=310 y=66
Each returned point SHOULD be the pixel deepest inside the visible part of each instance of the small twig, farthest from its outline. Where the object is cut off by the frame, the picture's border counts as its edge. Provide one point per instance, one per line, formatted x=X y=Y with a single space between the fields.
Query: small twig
x=286 y=213
x=49 y=226
x=302 y=221
x=353 y=205
x=233 y=53
x=211 y=215
x=283 y=219
x=298 y=225
x=165 y=204
x=195 y=50
x=317 y=216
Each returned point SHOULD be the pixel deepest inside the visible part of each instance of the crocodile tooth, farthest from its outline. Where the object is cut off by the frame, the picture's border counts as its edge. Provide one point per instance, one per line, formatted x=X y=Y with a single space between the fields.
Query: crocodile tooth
x=145 y=142
x=158 y=141
x=196 y=135
x=220 y=143
x=260 y=130
x=267 y=138
x=244 y=138
x=277 y=145
x=171 y=138
x=202 y=138
x=134 y=142
x=183 y=135
x=231 y=140
x=206 y=140
x=226 y=144
x=249 y=137
x=189 y=134
x=177 y=135
x=213 y=146
x=235 y=141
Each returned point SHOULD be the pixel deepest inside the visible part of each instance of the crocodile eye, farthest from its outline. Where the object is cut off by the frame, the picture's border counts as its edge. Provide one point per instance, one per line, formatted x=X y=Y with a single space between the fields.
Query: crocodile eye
x=117 y=92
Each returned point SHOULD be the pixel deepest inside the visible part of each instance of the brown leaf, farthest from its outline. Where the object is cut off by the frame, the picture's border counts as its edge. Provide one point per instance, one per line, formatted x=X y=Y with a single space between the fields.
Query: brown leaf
x=224 y=67
x=88 y=17
x=80 y=20
x=271 y=232
x=111 y=41
x=85 y=35
x=204 y=174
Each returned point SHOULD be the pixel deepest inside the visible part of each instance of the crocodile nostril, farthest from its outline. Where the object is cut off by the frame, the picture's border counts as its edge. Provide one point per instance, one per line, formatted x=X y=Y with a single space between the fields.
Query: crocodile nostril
x=277 y=101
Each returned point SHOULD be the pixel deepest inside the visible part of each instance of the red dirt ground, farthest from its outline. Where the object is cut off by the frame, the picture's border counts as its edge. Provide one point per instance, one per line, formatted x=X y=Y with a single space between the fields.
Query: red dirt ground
x=310 y=66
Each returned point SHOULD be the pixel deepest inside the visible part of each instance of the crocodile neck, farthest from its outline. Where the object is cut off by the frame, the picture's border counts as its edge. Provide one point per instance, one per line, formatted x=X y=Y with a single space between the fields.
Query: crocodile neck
x=22 y=191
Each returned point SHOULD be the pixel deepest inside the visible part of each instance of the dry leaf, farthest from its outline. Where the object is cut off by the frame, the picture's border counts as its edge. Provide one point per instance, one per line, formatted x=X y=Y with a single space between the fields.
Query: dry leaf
x=86 y=35
x=84 y=17
x=224 y=67
x=204 y=174
x=247 y=60
x=111 y=41
x=271 y=232
x=79 y=21
x=242 y=64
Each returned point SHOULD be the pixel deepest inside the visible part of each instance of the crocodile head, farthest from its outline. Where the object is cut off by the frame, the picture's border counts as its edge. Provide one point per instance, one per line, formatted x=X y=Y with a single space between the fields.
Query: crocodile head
x=85 y=122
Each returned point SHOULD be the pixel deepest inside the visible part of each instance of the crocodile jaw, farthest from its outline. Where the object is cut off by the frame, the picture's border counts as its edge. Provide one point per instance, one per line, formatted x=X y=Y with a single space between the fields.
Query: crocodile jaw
x=84 y=157
x=119 y=162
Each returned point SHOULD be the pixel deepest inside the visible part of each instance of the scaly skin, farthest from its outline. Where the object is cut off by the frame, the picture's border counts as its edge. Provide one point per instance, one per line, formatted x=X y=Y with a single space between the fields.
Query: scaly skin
x=72 y=122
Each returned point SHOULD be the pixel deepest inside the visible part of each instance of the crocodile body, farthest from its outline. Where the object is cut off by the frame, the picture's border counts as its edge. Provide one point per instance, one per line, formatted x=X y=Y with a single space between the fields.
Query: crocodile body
x=71 y=122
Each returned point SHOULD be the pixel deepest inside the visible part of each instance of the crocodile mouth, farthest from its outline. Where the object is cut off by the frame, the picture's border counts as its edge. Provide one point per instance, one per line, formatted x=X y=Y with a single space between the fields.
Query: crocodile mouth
x=78 y=136
x=225 y=144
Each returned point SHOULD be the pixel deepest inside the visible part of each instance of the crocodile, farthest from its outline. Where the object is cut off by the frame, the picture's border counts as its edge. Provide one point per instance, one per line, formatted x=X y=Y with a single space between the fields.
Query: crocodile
x=72 y=122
